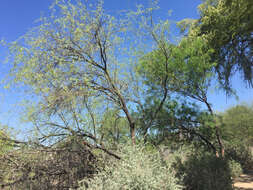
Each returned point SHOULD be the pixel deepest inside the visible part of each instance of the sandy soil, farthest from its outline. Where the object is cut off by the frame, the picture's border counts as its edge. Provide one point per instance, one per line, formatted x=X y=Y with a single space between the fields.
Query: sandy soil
x=244 y=182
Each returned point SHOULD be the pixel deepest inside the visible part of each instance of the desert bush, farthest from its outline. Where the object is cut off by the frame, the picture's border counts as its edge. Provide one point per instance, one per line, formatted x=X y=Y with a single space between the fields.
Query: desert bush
x=235 y=168
x=202 y=170
x=138 y=169
x=241 y=154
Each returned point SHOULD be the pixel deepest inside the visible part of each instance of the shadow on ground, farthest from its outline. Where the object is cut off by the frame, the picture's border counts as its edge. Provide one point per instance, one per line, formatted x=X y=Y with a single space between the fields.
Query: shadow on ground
x=244 y=182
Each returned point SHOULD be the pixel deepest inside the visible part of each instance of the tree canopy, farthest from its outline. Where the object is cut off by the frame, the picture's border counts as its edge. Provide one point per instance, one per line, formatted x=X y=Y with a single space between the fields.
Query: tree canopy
x=238 y=124
x=226 y=26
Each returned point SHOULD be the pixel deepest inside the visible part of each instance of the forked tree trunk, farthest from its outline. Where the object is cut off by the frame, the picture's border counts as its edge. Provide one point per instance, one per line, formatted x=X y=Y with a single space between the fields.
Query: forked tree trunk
x=217 y=133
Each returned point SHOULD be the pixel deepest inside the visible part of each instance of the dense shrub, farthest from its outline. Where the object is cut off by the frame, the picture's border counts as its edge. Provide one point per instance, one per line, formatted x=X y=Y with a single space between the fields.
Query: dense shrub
x=241 y=154
x=235 y=168
x=137 y=170
x=201 y=170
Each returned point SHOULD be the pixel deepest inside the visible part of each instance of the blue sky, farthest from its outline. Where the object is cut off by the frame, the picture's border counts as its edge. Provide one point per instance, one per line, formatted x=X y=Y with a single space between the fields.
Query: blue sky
x=18 y=16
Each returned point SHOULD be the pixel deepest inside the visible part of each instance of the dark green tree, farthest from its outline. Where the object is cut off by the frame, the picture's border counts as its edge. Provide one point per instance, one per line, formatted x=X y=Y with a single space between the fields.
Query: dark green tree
x=227 y=28
x=188 y=70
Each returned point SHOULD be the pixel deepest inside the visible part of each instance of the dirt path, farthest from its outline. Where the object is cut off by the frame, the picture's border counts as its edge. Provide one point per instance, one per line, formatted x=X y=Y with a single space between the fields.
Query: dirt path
x=244 y=182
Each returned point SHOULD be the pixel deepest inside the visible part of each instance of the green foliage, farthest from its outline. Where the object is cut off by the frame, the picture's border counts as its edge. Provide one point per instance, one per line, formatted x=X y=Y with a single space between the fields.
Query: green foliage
x=137 y=169
x=227 y=27
x=5 y=141
x=202 y=170
x=237 y=131
x=114 y=128
x=241 y=154
x=235 y=168
x=185 y=69
x=188 y=67
x=177 y=121
x=2 y=142
x=237 y=125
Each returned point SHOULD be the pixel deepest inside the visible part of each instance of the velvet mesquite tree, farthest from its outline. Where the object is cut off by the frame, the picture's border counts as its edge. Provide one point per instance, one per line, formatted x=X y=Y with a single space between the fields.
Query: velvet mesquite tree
x=82 y=54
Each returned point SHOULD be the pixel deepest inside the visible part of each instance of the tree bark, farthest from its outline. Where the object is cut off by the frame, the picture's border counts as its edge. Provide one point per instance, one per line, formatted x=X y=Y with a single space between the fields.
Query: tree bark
x=217 y=133
x=132 y=131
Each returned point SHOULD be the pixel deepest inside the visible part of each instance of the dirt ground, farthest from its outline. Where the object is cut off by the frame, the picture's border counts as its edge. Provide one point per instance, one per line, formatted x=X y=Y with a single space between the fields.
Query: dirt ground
x=244 y=182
